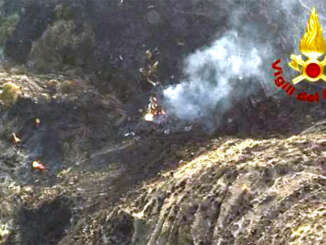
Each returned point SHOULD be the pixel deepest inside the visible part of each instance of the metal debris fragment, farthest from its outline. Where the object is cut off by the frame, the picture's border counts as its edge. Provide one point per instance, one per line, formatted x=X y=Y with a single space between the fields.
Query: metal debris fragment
x=155 y=66
x=131 y=133
x=149 y=54
x=167 y=131
x=15 y=139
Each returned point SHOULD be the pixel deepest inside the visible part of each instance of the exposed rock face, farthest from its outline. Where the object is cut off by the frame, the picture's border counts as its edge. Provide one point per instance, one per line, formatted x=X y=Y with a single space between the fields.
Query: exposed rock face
x=241 y=192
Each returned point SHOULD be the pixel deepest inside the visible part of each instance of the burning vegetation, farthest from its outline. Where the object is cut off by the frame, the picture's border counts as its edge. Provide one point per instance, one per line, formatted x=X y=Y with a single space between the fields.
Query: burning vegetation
x=154 y=110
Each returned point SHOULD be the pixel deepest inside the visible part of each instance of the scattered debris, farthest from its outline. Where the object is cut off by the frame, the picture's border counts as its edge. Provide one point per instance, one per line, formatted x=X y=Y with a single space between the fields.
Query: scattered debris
x=4 y=232
x=148 y=54
x=151 y=82
x=63 y=172
x=153 y=109
x=37 y=165
x=167 y=131
x=150 y=73
x=188 y=128
x=155 y=66
x=15 y=139
x=129 y=134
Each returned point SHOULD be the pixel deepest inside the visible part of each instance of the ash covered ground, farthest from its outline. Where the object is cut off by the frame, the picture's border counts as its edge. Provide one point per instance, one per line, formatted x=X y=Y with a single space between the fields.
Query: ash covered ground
x=157 y=123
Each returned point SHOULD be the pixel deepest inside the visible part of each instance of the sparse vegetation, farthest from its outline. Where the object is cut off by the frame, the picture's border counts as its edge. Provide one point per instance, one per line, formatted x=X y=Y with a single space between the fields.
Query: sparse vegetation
x=10 y=93
x=64 y=45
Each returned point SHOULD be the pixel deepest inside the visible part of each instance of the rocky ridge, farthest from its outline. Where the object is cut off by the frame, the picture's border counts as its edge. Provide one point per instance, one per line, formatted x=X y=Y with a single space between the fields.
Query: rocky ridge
x=251 y=191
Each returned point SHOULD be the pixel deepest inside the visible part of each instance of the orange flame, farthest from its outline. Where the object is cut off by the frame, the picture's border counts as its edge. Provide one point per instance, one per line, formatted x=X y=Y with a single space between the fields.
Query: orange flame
x=37 y=122
x=153 y=110
x=149 y=117
x=38 y=165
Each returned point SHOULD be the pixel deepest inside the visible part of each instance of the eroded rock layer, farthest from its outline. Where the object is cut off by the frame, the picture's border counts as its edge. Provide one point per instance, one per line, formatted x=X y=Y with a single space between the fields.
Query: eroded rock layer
x=249 y=191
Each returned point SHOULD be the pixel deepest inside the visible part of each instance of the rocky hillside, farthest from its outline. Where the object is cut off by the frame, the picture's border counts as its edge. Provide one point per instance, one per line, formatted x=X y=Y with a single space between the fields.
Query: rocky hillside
x=252 y=191
x=184 y=188
x=103 y=186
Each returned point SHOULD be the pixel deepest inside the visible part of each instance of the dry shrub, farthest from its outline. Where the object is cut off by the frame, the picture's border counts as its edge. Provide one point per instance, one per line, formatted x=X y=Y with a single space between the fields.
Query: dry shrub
x=10 y=94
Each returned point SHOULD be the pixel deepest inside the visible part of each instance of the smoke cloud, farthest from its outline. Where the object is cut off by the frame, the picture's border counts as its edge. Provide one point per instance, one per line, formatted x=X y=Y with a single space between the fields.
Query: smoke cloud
x=238 y=63
x=211 y=72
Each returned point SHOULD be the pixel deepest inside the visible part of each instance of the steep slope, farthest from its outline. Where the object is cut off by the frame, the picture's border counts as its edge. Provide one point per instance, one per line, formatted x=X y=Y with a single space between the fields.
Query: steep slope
x=240 y=191
x=112 y=178
x=184 y=187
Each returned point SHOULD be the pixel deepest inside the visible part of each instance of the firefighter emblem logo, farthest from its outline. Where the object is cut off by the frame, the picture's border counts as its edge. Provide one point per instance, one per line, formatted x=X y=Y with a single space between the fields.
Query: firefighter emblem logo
x=312 y=46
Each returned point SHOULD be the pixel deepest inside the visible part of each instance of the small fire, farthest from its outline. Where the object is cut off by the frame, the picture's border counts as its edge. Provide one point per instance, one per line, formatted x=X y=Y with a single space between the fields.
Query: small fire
x=153 y=110
x=38 y=165
x=149 y=117
x=37 y=122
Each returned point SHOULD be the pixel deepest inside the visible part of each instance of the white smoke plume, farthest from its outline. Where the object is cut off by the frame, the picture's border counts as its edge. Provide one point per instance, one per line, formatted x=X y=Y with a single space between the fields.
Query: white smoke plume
x=210 y=72
x=242 y=56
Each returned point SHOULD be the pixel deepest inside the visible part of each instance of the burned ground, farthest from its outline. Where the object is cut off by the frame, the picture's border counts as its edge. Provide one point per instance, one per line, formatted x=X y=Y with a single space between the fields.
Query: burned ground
x=42 y=225
x=104 y=187
x=256 y=177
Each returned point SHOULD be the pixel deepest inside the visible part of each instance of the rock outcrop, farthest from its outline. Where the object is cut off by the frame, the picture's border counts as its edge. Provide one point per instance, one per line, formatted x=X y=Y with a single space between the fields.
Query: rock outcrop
x=251 y=191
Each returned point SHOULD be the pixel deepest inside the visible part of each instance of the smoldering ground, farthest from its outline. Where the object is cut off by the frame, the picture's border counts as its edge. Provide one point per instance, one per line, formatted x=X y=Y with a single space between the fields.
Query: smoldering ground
x=237 y=64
